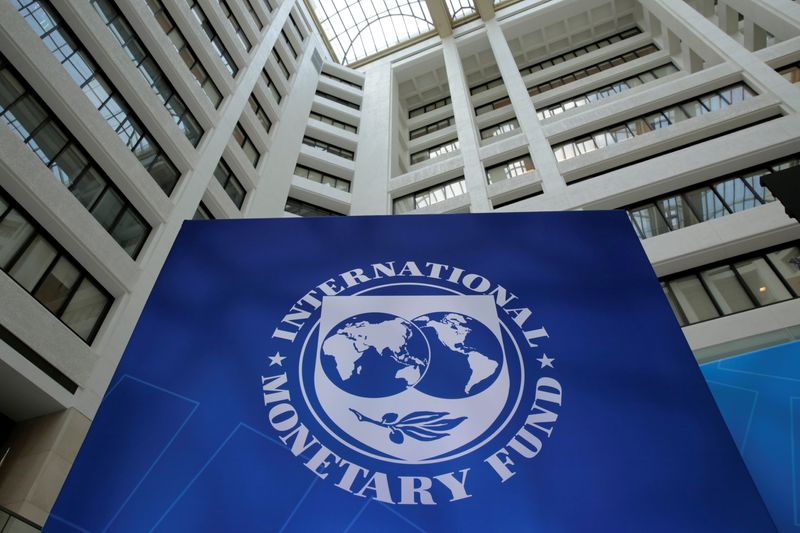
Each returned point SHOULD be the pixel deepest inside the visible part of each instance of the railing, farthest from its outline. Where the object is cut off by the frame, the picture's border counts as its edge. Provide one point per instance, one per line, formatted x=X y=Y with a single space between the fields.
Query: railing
x=13 y=523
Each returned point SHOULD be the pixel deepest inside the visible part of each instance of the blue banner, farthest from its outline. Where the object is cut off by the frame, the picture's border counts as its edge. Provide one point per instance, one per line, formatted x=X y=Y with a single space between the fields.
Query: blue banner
x=504 y=372
x=759 y=396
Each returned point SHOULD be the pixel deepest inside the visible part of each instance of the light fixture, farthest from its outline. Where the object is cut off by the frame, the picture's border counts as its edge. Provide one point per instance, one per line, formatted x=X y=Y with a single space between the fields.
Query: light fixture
x=762 y=289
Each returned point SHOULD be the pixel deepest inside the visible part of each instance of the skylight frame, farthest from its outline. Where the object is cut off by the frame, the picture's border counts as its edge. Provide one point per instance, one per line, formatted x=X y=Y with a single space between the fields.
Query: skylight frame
x=359 y=30
x=460 y=9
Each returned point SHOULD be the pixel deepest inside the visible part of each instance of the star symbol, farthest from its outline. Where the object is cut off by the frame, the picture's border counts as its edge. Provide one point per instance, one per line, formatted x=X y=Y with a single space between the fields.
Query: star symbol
x=276 y=359
x=546 y=361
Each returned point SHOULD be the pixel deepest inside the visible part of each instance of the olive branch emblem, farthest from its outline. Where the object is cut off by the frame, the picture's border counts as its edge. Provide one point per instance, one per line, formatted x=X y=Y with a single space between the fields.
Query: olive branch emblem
x=419 y=425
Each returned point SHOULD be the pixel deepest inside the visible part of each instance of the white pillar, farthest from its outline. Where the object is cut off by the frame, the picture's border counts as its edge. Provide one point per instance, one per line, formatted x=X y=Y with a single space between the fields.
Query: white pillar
x=467 y=129
x=542 y=153
x=370 y=191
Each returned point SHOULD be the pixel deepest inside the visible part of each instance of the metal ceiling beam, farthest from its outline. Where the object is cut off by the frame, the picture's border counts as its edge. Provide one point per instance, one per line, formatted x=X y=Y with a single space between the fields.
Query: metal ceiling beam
x=440 y=17
x=485 y=9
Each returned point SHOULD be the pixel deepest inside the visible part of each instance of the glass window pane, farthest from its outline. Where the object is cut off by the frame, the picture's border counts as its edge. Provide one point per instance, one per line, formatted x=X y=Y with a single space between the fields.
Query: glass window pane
x=33 y=263
x=674 y=114
x=108 y=208
x=677 y=212
x=69 y=164
x=694 y=108
x=764 y=284
x=165 y=174
x=706 y=204
x=754 y=180
x=736 y=194
x=84 y=309
x=649 y=221
x=693 y=299
x=88 y=187
x=48 y=141
x=130 y=232
x=55 y=288
x=726 y=290
x=24 y=116
x=14 y=232
x=787 y=262
x=235 y=192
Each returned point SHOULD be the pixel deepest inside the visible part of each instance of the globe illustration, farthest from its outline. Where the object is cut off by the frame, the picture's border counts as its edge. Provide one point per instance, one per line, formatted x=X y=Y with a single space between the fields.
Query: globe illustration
x=375 y=355
x=466 y=356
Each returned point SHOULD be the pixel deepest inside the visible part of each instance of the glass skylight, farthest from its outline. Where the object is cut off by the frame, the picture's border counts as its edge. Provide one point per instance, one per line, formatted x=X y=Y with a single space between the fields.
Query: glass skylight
x=460 y=8
x=356 y=30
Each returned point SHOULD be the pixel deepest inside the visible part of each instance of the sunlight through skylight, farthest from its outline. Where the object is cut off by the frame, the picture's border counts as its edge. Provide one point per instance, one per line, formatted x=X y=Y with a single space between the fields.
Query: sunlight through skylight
x=460 y=8
x=356 y=30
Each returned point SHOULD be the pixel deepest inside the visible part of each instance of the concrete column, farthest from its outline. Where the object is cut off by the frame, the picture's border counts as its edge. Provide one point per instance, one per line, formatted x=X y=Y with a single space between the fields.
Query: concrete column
x=728 y=19
x=685 y=22
x=39 y=455
x=467 y=129
x=370 y=190
x=543 y=158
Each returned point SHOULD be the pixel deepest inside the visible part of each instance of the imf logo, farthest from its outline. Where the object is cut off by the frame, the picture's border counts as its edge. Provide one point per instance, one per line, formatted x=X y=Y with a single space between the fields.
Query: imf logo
x=398 y=367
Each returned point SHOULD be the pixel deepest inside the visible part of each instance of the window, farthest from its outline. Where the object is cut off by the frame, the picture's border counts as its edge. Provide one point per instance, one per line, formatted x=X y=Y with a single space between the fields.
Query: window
x=791 y=72
x=321 y=177
x=712 y=199
x=735 y=285
x=606 y=91
x=276 y=94
x=326 y=147
x=491 y=106
x=281 y=64
x=430 y=196
x=491 y=84
x=429 y=107
x=244 y=142
x=594 y=69
x=509 y=169
x=430 y=128
x=261 y=115
x=656 y=120
x=289 y=43
x=499 y=129
x=149 y=69
x=602 y=43
x=167 y=23
x=115 y=110
x=237 y=28
x=230 y=184
x=338 y=100
x=435 y=151
x=39 y=265
x=341 y=80
x=212 y=35
x=333 y=122
x=202 y=213
x=304 y=209
x=47 y=137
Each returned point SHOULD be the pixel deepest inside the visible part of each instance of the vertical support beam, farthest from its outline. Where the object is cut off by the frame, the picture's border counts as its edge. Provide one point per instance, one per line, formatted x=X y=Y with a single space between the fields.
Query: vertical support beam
x=543 y=158
x=370 y=192
x=728 y=19
x=684 y=20
x=466 y=128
